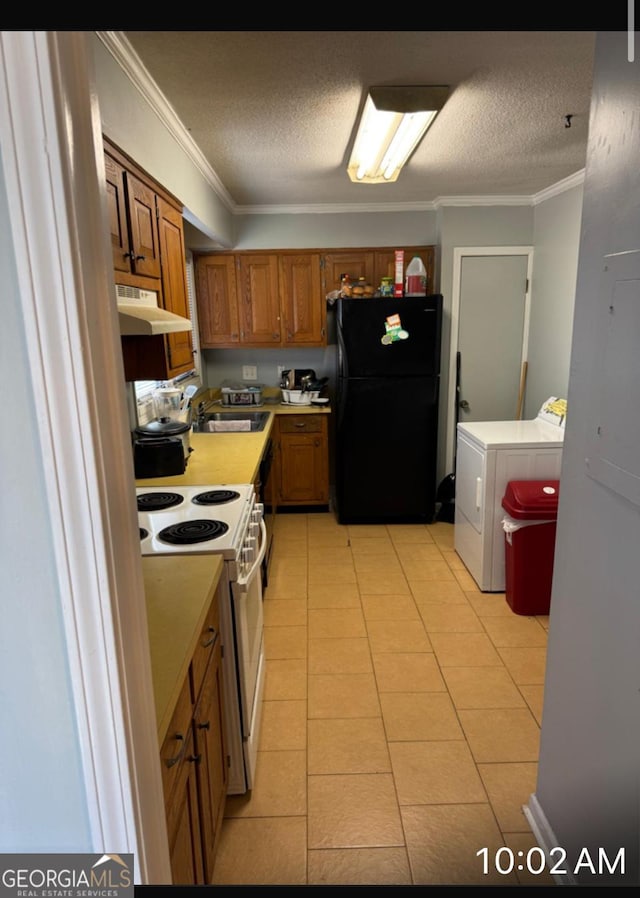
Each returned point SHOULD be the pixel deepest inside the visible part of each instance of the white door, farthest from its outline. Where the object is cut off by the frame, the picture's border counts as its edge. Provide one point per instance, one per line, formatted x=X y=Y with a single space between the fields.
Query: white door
x=490 y=325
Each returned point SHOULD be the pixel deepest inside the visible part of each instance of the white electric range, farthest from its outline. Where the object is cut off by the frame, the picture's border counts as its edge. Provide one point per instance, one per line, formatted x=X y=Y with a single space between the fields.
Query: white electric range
x=226 y=520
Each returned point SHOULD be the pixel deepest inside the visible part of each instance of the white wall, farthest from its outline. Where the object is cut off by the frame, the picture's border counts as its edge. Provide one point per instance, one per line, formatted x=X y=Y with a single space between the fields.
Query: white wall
x=587 y=788
x=336 y=230
x=556 y=237
x=41 y=787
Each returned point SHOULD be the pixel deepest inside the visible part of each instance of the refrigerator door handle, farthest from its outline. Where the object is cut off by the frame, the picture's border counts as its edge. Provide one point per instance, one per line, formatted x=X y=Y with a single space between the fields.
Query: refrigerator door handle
x=343 y=373
x=343 y=367
x=342 y=400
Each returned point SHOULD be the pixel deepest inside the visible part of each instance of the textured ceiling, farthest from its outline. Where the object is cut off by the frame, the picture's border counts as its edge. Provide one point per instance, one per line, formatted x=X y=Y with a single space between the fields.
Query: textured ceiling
x=274 y=112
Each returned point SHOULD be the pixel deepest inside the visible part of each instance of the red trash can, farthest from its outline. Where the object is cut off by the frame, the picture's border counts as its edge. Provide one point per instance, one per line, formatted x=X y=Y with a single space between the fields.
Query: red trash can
x=529 y=548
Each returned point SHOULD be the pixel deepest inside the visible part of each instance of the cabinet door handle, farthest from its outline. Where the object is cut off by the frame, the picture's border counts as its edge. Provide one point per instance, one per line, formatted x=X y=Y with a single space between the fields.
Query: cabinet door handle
x=205 y=726
x=300 y=424
x=170 y=762
x=212 y=639
x=140 y=258
x=194 y=759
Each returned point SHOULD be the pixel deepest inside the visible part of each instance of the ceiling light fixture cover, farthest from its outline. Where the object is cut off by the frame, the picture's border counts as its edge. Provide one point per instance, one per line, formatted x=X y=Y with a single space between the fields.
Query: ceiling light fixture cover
x=394 y=121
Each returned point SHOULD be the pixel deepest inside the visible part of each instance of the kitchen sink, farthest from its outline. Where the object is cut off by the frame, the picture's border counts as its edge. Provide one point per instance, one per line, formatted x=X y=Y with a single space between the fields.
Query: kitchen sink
x=234 y=421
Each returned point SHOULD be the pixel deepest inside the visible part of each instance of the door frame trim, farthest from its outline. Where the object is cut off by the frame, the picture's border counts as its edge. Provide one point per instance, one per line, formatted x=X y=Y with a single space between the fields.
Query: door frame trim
x=53 y=170
x=459 y=254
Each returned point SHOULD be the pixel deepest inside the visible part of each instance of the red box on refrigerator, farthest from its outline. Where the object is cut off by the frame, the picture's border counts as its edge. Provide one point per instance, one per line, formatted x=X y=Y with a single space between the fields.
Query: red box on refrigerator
x=398 y=286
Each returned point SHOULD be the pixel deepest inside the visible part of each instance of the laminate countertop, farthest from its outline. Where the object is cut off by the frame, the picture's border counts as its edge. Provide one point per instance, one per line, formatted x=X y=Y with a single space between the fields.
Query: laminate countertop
x=219 y=458
x=178 y=595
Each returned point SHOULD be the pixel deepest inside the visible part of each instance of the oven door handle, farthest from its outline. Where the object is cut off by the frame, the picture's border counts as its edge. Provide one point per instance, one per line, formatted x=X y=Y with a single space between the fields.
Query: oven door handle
x=245 y=578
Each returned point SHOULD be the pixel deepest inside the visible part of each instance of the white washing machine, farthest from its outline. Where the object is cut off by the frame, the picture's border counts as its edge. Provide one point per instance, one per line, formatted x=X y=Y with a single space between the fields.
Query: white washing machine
x=489 y=454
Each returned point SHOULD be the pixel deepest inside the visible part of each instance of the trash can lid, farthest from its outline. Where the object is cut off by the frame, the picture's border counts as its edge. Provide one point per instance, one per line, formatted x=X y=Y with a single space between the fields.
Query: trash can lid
x=532 y=499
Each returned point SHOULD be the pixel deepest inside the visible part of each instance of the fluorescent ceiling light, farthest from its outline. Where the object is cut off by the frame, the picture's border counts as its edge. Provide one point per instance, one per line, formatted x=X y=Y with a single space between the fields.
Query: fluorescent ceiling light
x=394 y=121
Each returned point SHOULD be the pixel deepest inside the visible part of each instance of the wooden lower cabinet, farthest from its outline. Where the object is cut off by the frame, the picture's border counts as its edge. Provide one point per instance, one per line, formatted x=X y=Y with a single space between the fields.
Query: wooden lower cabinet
x=212 y=769
x=302 y=460
x=179 y=780
x=195 y=764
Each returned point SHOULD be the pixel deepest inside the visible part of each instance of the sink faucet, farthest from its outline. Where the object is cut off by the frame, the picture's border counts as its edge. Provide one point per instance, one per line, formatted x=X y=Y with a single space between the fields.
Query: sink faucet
x=200 y=419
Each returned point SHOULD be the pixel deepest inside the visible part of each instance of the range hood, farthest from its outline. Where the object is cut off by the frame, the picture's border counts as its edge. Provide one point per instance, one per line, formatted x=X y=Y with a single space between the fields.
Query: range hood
x=140 y=314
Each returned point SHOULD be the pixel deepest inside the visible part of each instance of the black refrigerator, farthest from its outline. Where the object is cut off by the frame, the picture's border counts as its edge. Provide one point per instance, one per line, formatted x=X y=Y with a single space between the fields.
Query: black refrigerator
x=387 y=392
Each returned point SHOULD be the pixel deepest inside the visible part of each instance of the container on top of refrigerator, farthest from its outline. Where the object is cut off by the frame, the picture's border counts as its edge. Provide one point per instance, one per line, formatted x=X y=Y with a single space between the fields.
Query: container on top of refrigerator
x=416 y=278
x=398 y=286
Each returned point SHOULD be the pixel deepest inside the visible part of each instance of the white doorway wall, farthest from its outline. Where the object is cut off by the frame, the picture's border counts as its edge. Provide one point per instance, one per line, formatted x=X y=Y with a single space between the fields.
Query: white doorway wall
x=490 y=311
x=103 y=744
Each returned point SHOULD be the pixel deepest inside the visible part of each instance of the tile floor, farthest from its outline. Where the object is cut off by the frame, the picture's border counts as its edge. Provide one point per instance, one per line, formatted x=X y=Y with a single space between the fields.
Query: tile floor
x=401 y=716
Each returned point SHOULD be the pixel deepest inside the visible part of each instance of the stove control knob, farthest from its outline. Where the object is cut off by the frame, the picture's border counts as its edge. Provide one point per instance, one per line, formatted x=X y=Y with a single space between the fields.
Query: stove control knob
x=254 y=526
x=250 y=548
x=246 y=558
x=258 y=512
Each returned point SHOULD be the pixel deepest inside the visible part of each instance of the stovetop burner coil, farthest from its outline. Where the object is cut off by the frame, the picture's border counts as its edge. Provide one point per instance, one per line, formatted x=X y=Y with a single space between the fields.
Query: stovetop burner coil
x=215 y=497
x=196 y=531
x=158 y=501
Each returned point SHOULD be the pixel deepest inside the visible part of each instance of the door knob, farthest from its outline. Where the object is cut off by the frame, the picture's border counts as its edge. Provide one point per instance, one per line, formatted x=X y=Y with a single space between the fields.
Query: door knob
x=464 y=404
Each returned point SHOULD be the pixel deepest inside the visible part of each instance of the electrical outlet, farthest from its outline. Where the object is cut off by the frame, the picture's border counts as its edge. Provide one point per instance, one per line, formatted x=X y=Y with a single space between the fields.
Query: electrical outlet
x=249 y=372
x=281 y=368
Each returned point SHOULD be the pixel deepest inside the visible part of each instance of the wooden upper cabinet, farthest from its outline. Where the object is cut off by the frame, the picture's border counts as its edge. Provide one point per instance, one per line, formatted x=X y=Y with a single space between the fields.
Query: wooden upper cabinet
x=278 y=298
x=132 y=221
x=175 y=293
x=117 y=211
x=258 y=299
x=373 y=264
x=215 y=277
x=304 y=313
x=356 y=263
x=385 y=263
x=145 y=241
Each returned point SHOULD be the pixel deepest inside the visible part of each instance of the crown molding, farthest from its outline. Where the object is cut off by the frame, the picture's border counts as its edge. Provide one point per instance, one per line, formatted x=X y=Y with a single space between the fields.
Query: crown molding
x=128 y=60
x=498 y=200
x=324 y=208
x=573 y=180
